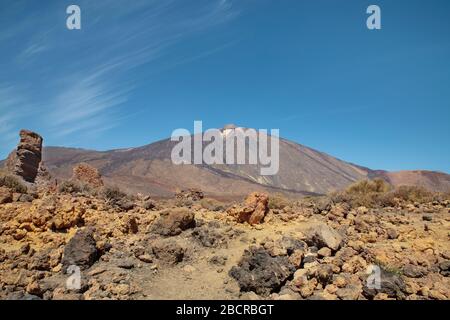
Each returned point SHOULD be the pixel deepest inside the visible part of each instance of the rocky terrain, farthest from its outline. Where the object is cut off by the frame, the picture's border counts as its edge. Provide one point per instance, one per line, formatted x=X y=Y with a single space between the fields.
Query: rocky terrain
x=82 y=239
x=191 y=247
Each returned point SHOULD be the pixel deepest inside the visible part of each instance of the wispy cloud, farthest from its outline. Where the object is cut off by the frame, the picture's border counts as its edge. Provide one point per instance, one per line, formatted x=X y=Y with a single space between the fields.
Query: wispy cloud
x=88 y=104
x=12 y=108
x=39 y=44
x=82 y=80
x=92 y=101
x=332 y=111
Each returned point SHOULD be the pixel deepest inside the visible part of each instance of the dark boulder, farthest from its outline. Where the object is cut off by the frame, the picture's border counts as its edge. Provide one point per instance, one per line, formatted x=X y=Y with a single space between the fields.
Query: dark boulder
x=413 y=271
x=81 y=250
x=261 y=273
x=390 y=283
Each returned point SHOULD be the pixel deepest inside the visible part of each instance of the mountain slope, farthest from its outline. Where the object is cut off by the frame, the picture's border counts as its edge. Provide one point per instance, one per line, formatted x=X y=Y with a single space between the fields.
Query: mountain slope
x=436 y=181
x=302 y=171
x=149 y=169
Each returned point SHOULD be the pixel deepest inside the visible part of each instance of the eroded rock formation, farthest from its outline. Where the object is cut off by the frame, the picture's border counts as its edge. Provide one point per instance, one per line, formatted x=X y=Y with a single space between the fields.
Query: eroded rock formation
x=25 y=160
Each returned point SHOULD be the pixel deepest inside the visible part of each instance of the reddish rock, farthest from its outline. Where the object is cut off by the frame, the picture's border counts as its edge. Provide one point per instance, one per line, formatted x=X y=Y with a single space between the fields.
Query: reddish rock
x=87 y=174
x=254 y=209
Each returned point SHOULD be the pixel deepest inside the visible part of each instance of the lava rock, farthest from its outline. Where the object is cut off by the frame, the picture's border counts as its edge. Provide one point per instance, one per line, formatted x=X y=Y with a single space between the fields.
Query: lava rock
x=413 y=271
x=391 y=284
x=81 y=250
x=190 y=194
x=445 y=268
x=209 y=237
x=173 y=222
x=40 y=261
x=258 y=271
x=168 y=251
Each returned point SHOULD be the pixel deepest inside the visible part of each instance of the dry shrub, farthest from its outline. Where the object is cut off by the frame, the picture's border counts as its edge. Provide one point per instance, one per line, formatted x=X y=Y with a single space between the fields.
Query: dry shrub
x=377 y=193
x=446 y=195
x=366 y=187
x=113 y=194
x=278 y=201
x=212 y=204
x=13 y=183
x=183 y=202
x=367 y=193
x=413 y=194
x=73 y=186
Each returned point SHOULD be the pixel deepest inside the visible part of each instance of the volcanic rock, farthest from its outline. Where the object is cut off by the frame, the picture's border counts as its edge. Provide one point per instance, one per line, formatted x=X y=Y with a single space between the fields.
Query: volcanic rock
x=168 y=251
x=190 y=194
x=173 y=222
x=258 y=271
x=210 y=236
x=41 y=261
x=413 y=271
x=445 y=268
x=254 y=209
x=25 y=160
x=322 y=235
x=81 y=250
x=391 y=284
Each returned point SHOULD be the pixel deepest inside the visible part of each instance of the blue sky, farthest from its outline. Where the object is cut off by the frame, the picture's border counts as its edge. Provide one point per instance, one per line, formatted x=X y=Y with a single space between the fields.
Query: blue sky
x=139 y=69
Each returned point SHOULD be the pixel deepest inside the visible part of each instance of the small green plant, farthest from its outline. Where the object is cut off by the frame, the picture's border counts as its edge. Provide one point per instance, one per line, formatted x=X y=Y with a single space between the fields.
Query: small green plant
x=13 y=183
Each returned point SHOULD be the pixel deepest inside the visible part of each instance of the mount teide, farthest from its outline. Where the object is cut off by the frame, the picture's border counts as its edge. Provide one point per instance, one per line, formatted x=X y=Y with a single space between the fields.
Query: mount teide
x=302 y=171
